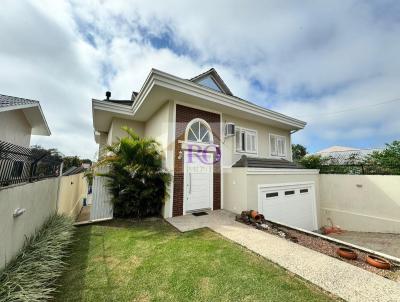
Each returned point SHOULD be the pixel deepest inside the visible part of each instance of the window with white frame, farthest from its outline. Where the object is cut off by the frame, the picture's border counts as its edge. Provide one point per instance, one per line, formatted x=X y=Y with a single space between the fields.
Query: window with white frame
x=199 y=132
x=278 y=145
x=245 y=140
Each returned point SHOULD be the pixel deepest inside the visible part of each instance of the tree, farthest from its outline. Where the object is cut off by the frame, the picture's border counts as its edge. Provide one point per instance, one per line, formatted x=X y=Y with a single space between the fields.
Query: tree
x=313 y=161
x=71 y=161
x=298 y=151
x=51 y=154
x=389 y=158
x=138 y=183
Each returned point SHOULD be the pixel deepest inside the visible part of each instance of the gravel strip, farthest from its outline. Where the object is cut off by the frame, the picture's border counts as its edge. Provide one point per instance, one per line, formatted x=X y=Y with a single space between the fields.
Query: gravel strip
x=323 y=246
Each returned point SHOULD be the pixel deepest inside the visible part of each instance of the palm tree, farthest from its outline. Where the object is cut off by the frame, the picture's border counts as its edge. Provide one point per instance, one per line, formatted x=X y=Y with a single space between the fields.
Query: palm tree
x=138 y=183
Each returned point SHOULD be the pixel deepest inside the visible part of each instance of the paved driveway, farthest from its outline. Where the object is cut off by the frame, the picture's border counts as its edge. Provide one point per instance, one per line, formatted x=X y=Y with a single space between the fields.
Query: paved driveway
x=384 y=243
x=340 y=278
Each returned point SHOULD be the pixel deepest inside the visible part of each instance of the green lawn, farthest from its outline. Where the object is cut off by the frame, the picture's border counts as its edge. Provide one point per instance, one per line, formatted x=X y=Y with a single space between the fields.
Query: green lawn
x=151 y=261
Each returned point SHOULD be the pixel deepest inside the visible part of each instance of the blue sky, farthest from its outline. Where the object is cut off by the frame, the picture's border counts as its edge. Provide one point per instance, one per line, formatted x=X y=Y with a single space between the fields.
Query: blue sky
x=325 y=62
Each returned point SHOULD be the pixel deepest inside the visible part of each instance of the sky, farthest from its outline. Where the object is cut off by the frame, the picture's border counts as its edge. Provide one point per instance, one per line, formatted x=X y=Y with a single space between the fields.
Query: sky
x=334 y=64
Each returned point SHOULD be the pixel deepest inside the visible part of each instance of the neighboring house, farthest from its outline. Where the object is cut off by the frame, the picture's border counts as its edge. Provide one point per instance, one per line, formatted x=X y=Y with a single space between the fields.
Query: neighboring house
x=19 y=119
x=340 y=155
x=223 y=151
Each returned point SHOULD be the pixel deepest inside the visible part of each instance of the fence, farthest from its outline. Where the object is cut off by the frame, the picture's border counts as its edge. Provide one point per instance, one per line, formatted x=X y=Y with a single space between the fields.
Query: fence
x=19 y=164
x=360 y=169
x=357 y=163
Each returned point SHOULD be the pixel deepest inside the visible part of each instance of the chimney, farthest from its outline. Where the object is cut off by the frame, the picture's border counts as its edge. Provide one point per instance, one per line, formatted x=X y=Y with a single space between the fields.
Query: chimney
x=108 y=95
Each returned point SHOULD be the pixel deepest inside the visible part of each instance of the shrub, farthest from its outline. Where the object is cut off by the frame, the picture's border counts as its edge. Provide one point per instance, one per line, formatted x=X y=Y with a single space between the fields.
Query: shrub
x=138 y=183
x=313 y=161
x=31 y=276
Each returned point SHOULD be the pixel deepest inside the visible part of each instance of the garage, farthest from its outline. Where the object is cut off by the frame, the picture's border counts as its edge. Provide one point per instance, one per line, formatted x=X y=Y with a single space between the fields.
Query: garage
x=292 y=204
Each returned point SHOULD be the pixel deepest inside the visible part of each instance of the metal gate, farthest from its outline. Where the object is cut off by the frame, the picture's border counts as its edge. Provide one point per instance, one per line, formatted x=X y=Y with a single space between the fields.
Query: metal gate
x=101 y=203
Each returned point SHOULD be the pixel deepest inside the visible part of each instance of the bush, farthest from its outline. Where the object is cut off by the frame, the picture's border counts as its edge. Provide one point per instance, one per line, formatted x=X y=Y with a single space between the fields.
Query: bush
x=31 y=276
x=138 y=183
x=313 y=161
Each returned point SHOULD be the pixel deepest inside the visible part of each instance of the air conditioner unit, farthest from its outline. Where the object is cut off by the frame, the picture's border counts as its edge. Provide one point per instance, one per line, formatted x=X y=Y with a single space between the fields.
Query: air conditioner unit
x=229 y=129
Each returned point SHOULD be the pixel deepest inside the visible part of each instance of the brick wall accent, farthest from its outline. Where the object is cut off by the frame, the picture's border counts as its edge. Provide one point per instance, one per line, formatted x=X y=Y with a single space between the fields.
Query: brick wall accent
x=183 y=116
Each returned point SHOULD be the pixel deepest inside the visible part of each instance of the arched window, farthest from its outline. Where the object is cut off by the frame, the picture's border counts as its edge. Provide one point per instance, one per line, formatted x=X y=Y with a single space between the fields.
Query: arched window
x=199 y=131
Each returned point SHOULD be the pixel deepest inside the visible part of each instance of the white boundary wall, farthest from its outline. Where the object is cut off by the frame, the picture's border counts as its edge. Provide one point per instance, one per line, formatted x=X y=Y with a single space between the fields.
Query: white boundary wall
x=39 y=201
x=364 y=203
x=73 y=189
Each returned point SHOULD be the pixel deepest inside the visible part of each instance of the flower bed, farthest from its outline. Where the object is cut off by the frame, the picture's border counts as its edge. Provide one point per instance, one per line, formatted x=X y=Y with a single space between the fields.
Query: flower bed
x=318 y=244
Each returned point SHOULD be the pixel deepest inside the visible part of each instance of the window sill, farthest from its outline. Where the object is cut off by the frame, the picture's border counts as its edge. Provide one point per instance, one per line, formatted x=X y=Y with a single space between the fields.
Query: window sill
x=278 y=157
x=245 y=153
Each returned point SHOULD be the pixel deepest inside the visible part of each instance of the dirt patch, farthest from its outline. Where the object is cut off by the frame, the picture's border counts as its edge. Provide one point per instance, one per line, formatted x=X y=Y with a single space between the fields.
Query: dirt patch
x=144 y=297
x=320 y=245
x=205 y=285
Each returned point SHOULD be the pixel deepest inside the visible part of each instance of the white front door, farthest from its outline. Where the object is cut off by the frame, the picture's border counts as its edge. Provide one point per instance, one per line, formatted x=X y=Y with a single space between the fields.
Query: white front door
x=198 y=181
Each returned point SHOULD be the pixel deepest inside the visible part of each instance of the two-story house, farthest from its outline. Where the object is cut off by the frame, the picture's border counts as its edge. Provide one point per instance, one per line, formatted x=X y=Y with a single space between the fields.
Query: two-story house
x=223 y=152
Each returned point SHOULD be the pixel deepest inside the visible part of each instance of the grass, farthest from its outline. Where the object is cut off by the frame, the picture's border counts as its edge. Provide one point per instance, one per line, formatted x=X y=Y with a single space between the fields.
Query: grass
x=32 y=274
x=151 y=261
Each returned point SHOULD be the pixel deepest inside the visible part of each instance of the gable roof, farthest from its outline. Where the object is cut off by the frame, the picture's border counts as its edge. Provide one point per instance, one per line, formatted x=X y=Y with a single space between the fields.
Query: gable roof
x=161 y=82
x=214 y=76
x=31 y=109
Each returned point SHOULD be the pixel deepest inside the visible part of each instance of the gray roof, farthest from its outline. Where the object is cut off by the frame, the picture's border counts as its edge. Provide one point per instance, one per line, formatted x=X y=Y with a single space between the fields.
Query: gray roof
x=11 y=101
x=348 y=157
x=74 y=170
x=121 y=102
x=257 y=162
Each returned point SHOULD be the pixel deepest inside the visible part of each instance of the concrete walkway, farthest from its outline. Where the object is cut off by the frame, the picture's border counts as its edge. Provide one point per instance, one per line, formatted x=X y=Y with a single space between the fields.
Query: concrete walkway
x=337 y=277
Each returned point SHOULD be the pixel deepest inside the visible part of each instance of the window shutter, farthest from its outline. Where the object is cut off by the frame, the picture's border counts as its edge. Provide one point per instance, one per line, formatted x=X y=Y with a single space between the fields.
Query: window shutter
x=281 y=146
x=273 y=144
x=248 y=142
x=253 y=143
x=237 y=138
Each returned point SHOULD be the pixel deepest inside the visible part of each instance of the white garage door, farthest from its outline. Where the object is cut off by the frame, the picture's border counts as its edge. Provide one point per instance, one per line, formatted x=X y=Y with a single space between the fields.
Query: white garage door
x=290 y=204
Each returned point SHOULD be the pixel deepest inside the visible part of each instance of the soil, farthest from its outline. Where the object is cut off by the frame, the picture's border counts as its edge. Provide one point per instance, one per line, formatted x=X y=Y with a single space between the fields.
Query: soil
x=320 y=245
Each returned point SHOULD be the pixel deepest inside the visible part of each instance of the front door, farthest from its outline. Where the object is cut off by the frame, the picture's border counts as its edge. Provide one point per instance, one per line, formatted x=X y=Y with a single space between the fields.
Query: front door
x=198 y=181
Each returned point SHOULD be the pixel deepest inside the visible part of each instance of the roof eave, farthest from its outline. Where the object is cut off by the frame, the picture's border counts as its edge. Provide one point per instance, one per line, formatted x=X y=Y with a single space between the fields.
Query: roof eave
x=163 y=79
x=42 y=128
x=157 y=77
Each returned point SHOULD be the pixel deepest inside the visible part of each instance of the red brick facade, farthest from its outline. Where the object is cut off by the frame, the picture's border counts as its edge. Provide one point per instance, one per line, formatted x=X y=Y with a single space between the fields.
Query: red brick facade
x=183 y=116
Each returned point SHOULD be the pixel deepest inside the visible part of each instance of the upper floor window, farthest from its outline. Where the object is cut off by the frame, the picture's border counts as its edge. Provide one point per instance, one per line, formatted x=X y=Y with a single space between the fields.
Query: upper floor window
x=246 y=140
x=278 y=145
x=199 y=131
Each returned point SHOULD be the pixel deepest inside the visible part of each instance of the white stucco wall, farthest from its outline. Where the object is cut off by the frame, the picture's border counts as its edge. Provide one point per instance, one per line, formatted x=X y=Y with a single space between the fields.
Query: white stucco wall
x=157 y=127
x=368 y=203
x=116 y=132
x=241 y=189
x=73 y=189
x=234 y=189
x=230 y=156
x=39 y=199
x=14 y=128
